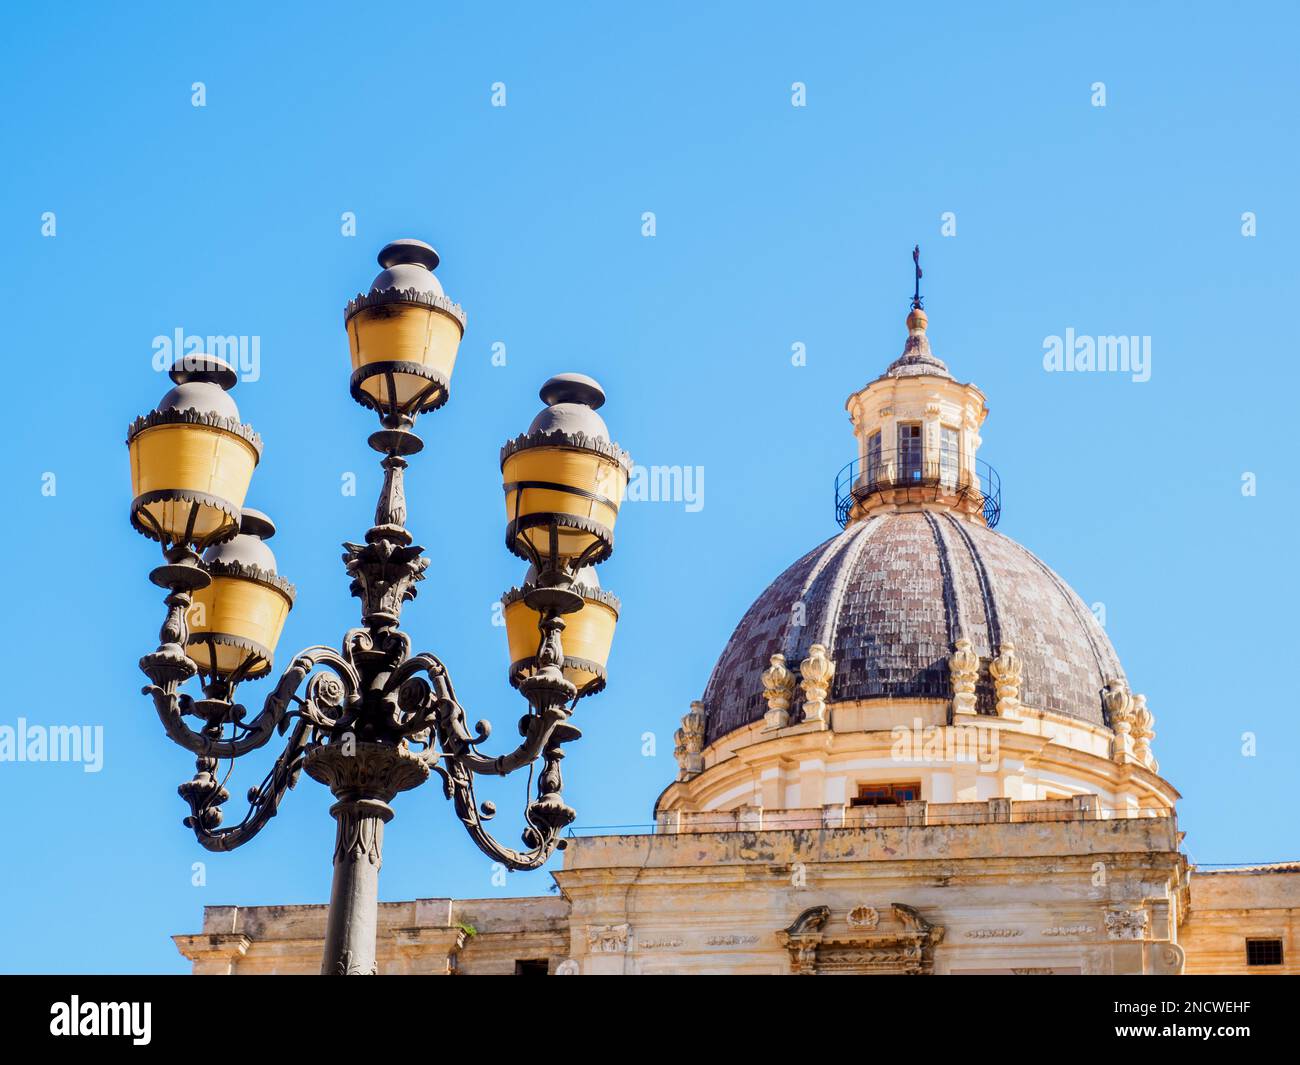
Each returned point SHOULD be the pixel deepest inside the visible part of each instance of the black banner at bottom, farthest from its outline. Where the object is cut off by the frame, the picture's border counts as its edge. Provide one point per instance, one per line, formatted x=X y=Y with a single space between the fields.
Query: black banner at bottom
x=143 y=1013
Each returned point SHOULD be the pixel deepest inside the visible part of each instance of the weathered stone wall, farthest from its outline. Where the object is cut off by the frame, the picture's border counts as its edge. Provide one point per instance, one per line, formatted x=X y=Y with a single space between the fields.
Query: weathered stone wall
x=425 y=936
x=1229 y=906
x=1078 y=895
x=1072 y=896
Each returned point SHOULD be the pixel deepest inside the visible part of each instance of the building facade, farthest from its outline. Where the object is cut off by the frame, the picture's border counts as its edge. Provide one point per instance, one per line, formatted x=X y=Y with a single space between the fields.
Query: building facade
x=918 y=753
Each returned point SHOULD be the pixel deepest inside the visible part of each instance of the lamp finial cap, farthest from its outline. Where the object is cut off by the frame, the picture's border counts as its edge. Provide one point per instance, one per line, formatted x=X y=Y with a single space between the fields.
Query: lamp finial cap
x=201 y=366
x=408 y=251
x=572 y=388
x=571 y=400
x=255 y=523
x=408 y=266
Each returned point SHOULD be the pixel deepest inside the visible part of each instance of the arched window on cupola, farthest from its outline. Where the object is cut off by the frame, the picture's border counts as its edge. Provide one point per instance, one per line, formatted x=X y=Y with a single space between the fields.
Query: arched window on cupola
x=911 y=452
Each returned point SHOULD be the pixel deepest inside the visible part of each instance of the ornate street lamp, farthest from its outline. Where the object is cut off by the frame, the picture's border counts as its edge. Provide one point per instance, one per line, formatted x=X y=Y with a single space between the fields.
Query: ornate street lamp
x=373 y=718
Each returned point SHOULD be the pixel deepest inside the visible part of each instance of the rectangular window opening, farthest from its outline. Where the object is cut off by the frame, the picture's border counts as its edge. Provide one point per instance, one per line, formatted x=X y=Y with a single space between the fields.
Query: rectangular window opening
x=873 y=461
x=949 y=457
x=886 y=794
x=1263 y=952
x=910 y=451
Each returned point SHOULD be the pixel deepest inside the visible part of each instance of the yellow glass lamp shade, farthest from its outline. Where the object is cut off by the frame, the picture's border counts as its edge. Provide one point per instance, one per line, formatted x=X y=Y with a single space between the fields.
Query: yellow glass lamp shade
x=192 y=459
x=404 y=334
x=587 y=637
x=562 y=498
x=403 y=355
x=235 y=622
x=564 y=480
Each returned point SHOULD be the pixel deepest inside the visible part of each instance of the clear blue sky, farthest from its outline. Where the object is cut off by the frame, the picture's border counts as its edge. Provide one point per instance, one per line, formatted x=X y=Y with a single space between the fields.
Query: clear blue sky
x=775 y=225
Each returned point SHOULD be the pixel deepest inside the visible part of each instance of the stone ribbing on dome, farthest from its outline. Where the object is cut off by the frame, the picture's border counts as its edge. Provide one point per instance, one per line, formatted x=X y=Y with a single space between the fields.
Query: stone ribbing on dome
x=889 y=596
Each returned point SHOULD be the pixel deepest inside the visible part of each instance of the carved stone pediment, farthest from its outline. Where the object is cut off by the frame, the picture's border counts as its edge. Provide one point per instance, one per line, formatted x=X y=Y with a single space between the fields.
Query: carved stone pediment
x=906 y=946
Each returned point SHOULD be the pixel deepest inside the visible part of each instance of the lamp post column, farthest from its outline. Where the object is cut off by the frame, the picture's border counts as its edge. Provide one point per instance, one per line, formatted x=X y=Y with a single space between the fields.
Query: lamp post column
x=351 y=934
x=364 y=778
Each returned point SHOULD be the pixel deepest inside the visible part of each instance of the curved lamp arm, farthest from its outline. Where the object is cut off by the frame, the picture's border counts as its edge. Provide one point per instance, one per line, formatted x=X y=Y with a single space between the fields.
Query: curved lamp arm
x=419 y=709
x=322 y=699
x=330 y=698
x=205 y=795
x=371 y=690
x=433 y=713
x=545 y=821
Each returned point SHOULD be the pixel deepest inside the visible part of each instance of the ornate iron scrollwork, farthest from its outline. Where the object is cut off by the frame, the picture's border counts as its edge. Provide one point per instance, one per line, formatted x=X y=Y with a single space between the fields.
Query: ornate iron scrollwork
x=373 y=690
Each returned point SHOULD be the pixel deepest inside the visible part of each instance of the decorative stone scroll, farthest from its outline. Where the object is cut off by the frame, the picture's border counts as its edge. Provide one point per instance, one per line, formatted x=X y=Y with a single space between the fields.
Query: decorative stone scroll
x=731 y=940
x=658 y=944
x=1165 y=959
x=1069 y=930
x=994 y=933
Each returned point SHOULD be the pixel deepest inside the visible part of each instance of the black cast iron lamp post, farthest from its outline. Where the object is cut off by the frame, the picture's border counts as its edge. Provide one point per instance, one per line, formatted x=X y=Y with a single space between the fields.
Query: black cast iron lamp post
x=373 y=718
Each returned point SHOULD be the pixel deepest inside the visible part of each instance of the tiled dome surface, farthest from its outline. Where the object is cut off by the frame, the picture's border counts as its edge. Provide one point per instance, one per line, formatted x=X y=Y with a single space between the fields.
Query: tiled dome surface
x=890 y=595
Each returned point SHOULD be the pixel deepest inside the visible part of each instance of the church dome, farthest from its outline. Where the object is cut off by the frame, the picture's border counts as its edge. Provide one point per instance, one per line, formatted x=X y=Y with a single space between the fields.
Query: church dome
x=920 y=656
x=889 y=597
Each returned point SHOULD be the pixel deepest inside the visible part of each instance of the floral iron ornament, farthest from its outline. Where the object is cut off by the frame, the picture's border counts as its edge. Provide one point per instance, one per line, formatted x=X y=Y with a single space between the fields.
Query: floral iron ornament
x=374 y=718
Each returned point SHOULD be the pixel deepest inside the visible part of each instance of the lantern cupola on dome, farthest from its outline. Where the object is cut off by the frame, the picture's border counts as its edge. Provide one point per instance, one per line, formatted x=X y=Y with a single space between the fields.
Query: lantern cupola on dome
x=917 y=430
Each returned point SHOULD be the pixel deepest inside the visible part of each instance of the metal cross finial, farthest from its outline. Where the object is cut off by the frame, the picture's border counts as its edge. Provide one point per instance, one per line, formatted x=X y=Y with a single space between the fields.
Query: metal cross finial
x=916 y=296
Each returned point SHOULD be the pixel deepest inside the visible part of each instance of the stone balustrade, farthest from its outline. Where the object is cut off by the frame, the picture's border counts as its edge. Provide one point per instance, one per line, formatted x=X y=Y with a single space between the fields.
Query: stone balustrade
x=919 y=813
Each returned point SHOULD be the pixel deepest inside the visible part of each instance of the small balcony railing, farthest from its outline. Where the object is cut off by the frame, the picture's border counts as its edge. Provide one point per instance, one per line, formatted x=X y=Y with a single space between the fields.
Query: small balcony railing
x=919 y=813
x=911 y=477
